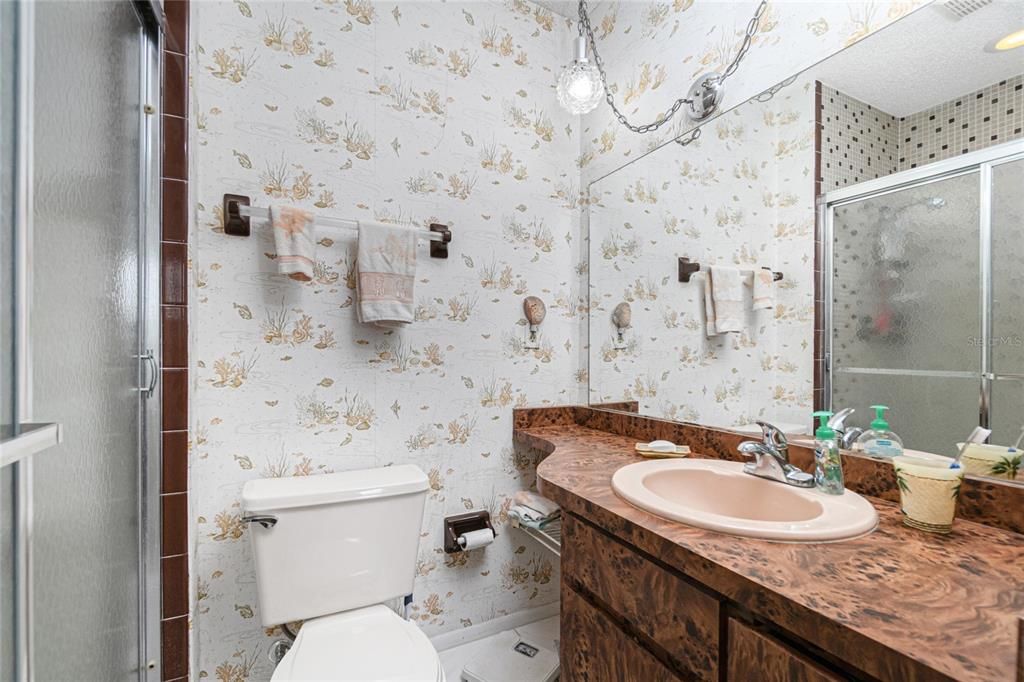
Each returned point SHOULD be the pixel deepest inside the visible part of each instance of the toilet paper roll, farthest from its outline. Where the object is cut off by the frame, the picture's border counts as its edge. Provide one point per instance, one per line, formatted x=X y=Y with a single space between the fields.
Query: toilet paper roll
x=476 y=538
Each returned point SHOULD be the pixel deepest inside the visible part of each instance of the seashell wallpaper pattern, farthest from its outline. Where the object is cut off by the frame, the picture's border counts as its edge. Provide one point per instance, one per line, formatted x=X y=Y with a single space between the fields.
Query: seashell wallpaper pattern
x=654 y=51
x=741 y=195
x=408 y=112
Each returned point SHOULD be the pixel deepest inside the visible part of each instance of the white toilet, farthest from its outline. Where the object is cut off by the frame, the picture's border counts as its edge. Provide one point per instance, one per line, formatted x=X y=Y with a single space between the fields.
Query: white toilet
x=330 y=550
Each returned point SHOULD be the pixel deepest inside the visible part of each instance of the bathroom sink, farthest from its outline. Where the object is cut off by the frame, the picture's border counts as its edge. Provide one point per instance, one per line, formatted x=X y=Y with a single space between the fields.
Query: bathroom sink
x=719 y=496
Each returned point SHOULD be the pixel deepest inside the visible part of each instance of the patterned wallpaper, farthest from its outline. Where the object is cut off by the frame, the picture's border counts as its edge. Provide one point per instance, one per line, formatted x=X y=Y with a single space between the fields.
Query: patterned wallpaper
x=861 y=142
x=655 y=50
x=741 y=195
x=401 y=112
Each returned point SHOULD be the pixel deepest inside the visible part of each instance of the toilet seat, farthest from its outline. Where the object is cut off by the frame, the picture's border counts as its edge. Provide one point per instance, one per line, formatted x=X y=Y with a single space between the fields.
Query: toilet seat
x=372 y=643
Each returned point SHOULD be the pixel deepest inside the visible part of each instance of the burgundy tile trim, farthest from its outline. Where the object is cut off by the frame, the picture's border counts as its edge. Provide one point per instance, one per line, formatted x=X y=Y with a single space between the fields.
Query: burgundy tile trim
x=174 y=648
x=174 y=510
x=174 y=206
x=173 y=274
x=174 y=331
x=176 y=37
x=175 y=399
x=175 y=134
x=174 y=474
x=175 y=82
x=174 y=584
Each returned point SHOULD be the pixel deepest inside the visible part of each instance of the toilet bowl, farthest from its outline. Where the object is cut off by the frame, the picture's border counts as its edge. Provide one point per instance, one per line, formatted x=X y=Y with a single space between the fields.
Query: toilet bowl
x=331 y=550
x=372 y=643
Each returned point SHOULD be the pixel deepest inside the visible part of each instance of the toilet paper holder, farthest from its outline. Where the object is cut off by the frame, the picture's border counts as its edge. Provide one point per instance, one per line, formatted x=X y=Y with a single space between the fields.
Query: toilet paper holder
x=460 y=524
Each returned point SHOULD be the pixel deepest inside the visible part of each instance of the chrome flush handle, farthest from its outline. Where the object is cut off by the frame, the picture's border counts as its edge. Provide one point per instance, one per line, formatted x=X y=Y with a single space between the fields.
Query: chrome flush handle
x=265 y=520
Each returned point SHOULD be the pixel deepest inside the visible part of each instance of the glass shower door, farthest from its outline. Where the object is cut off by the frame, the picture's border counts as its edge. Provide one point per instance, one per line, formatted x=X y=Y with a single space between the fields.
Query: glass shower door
x=85 y=339
x=1007 y=346
x=906 y=309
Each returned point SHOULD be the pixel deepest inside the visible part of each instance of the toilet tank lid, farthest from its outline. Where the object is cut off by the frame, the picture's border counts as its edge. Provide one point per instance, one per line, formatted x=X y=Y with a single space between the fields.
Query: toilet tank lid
x=267 y=494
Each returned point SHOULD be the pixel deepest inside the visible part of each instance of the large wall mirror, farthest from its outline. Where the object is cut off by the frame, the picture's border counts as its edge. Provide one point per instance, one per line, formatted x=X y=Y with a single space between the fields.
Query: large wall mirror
x=874 y=214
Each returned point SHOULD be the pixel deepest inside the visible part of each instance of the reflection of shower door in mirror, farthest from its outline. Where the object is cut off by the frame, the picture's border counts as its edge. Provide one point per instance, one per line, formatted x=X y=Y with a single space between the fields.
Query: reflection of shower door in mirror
x=910 y=299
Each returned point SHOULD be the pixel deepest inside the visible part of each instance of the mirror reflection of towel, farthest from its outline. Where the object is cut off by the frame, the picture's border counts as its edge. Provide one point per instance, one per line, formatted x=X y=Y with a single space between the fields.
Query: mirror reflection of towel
x=727 y=299
x=764 y=290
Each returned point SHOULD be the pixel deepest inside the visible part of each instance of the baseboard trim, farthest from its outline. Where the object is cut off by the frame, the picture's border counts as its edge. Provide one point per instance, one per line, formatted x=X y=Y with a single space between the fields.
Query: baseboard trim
x=448 y=640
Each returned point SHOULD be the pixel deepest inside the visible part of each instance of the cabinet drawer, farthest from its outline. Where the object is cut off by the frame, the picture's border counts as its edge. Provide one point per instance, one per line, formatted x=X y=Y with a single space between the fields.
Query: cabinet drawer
x=754 y=655
x=595 y=650
x=678 y=617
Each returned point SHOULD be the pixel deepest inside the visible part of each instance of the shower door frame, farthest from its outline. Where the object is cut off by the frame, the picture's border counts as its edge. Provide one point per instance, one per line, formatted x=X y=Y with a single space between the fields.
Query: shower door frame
x=150 y=31
x=981 y=162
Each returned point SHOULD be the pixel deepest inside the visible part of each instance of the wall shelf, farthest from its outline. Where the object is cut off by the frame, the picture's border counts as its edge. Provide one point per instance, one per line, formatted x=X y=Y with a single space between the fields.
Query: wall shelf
x=550 y=537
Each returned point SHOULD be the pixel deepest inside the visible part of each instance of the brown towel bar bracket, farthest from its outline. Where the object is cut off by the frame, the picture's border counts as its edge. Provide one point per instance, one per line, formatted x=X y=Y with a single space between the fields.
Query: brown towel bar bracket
x=688 y=267
x=238 y=224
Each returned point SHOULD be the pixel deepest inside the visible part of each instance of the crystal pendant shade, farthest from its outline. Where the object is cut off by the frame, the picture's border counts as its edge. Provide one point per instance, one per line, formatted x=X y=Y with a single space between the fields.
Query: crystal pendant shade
x=579 y=87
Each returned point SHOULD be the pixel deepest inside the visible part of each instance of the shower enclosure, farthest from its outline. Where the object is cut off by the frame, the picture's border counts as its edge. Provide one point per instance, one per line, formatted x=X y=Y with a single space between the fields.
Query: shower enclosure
x=923 y=275
x=79 y=231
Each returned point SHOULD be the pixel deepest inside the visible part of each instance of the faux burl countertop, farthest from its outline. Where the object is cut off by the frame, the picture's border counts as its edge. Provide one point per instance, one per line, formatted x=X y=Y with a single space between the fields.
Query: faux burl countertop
x=898 y=603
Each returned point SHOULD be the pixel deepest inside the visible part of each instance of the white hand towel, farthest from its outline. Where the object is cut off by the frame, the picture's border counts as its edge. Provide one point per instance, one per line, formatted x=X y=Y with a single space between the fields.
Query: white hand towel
x=709 y=308
x=538 y=503
x=764 y=290
x=727 y=297
x=295 y=241
x=386 y=264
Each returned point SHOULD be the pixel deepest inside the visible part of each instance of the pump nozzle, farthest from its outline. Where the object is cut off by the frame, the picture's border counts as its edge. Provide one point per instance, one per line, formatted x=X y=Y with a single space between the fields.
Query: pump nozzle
x=879 y=423
x=824 y=431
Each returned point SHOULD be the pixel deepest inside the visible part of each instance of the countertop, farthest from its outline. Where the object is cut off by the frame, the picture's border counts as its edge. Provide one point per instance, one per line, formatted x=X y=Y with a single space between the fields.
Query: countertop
x=897 y=603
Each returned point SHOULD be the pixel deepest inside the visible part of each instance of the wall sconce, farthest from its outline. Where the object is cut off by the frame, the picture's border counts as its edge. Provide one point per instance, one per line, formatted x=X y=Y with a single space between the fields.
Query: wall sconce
x=535 y=312
x=622 y=317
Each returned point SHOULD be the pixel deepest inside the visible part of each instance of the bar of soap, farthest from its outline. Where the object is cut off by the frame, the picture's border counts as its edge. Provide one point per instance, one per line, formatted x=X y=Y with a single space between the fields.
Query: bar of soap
x=662 y=448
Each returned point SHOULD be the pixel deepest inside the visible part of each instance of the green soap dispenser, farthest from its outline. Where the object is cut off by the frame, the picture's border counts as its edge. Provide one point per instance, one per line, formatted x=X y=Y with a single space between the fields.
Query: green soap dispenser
x=879 y=441
x=828 y=464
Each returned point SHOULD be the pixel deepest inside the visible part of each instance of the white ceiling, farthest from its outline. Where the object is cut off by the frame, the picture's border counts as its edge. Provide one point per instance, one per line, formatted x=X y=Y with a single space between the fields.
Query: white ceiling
x=928 y=58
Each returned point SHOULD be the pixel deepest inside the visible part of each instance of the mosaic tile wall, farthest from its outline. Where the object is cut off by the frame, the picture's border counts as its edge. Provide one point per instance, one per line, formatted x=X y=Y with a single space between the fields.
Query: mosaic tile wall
x=860 y=142
x=980 y=119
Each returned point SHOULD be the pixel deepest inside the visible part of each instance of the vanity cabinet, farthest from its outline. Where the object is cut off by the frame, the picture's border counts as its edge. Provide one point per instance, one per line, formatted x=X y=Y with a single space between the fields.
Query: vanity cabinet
x=627 y=617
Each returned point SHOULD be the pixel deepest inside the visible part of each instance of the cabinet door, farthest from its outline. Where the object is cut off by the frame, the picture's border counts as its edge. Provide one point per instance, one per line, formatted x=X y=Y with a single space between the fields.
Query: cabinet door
x=757 y=656
x=594 y=649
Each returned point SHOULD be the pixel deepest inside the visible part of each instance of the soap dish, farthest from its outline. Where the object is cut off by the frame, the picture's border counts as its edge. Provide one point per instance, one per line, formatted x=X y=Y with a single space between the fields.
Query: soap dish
x=662 y=448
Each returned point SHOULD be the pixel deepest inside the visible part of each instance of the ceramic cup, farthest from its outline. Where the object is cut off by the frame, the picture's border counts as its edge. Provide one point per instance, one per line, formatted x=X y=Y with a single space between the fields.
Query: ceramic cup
x=929 y=490
x=994 y=461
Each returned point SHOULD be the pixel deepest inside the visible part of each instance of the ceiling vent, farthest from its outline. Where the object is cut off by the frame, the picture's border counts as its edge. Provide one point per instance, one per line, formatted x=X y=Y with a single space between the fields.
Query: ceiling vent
x=961 y=8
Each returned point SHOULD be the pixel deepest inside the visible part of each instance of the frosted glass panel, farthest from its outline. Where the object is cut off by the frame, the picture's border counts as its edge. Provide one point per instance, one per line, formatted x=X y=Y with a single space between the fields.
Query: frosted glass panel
x=1007 y=412
x=1008 y=271
x=928 y=413
x=8 y=386
x=906 y=292
x=85 y=334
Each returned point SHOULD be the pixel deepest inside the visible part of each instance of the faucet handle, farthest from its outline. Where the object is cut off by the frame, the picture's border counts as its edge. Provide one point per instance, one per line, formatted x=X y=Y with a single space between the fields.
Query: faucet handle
x=773 y=436
x=838 y=420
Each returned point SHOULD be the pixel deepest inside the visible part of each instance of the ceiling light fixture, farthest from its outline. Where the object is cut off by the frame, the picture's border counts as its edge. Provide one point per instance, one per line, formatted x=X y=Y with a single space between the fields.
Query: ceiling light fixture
x=1011 y=41
x=583 y=83
x=579 y=87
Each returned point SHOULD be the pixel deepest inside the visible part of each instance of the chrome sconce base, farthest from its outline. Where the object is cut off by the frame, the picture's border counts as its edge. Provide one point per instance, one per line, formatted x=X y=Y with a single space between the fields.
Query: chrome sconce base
x=704 y=96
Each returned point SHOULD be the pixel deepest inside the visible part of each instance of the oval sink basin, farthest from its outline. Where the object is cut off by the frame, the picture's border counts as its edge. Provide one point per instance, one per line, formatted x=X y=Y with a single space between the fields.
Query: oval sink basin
x=718 y=495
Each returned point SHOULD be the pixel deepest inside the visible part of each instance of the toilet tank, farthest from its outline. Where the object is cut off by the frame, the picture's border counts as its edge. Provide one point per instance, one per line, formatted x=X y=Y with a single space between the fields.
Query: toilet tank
x=341 y=541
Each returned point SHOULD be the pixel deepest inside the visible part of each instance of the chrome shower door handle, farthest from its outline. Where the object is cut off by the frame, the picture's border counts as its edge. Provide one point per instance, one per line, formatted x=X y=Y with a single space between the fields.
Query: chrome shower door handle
x=154 y=373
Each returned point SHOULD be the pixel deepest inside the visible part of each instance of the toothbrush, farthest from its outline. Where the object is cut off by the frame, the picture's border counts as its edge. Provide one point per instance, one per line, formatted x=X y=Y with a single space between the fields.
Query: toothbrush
x=1020 y=439
x=978 y=435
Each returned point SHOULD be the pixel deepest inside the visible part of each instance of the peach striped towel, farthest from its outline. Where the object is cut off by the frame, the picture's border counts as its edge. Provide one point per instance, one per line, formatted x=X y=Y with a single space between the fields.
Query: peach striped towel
x=295 y=241
x=386 y=264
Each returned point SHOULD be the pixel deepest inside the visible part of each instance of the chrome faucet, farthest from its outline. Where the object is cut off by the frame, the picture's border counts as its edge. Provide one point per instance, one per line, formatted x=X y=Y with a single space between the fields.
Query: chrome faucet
x=771 y=458
x=846 y=435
